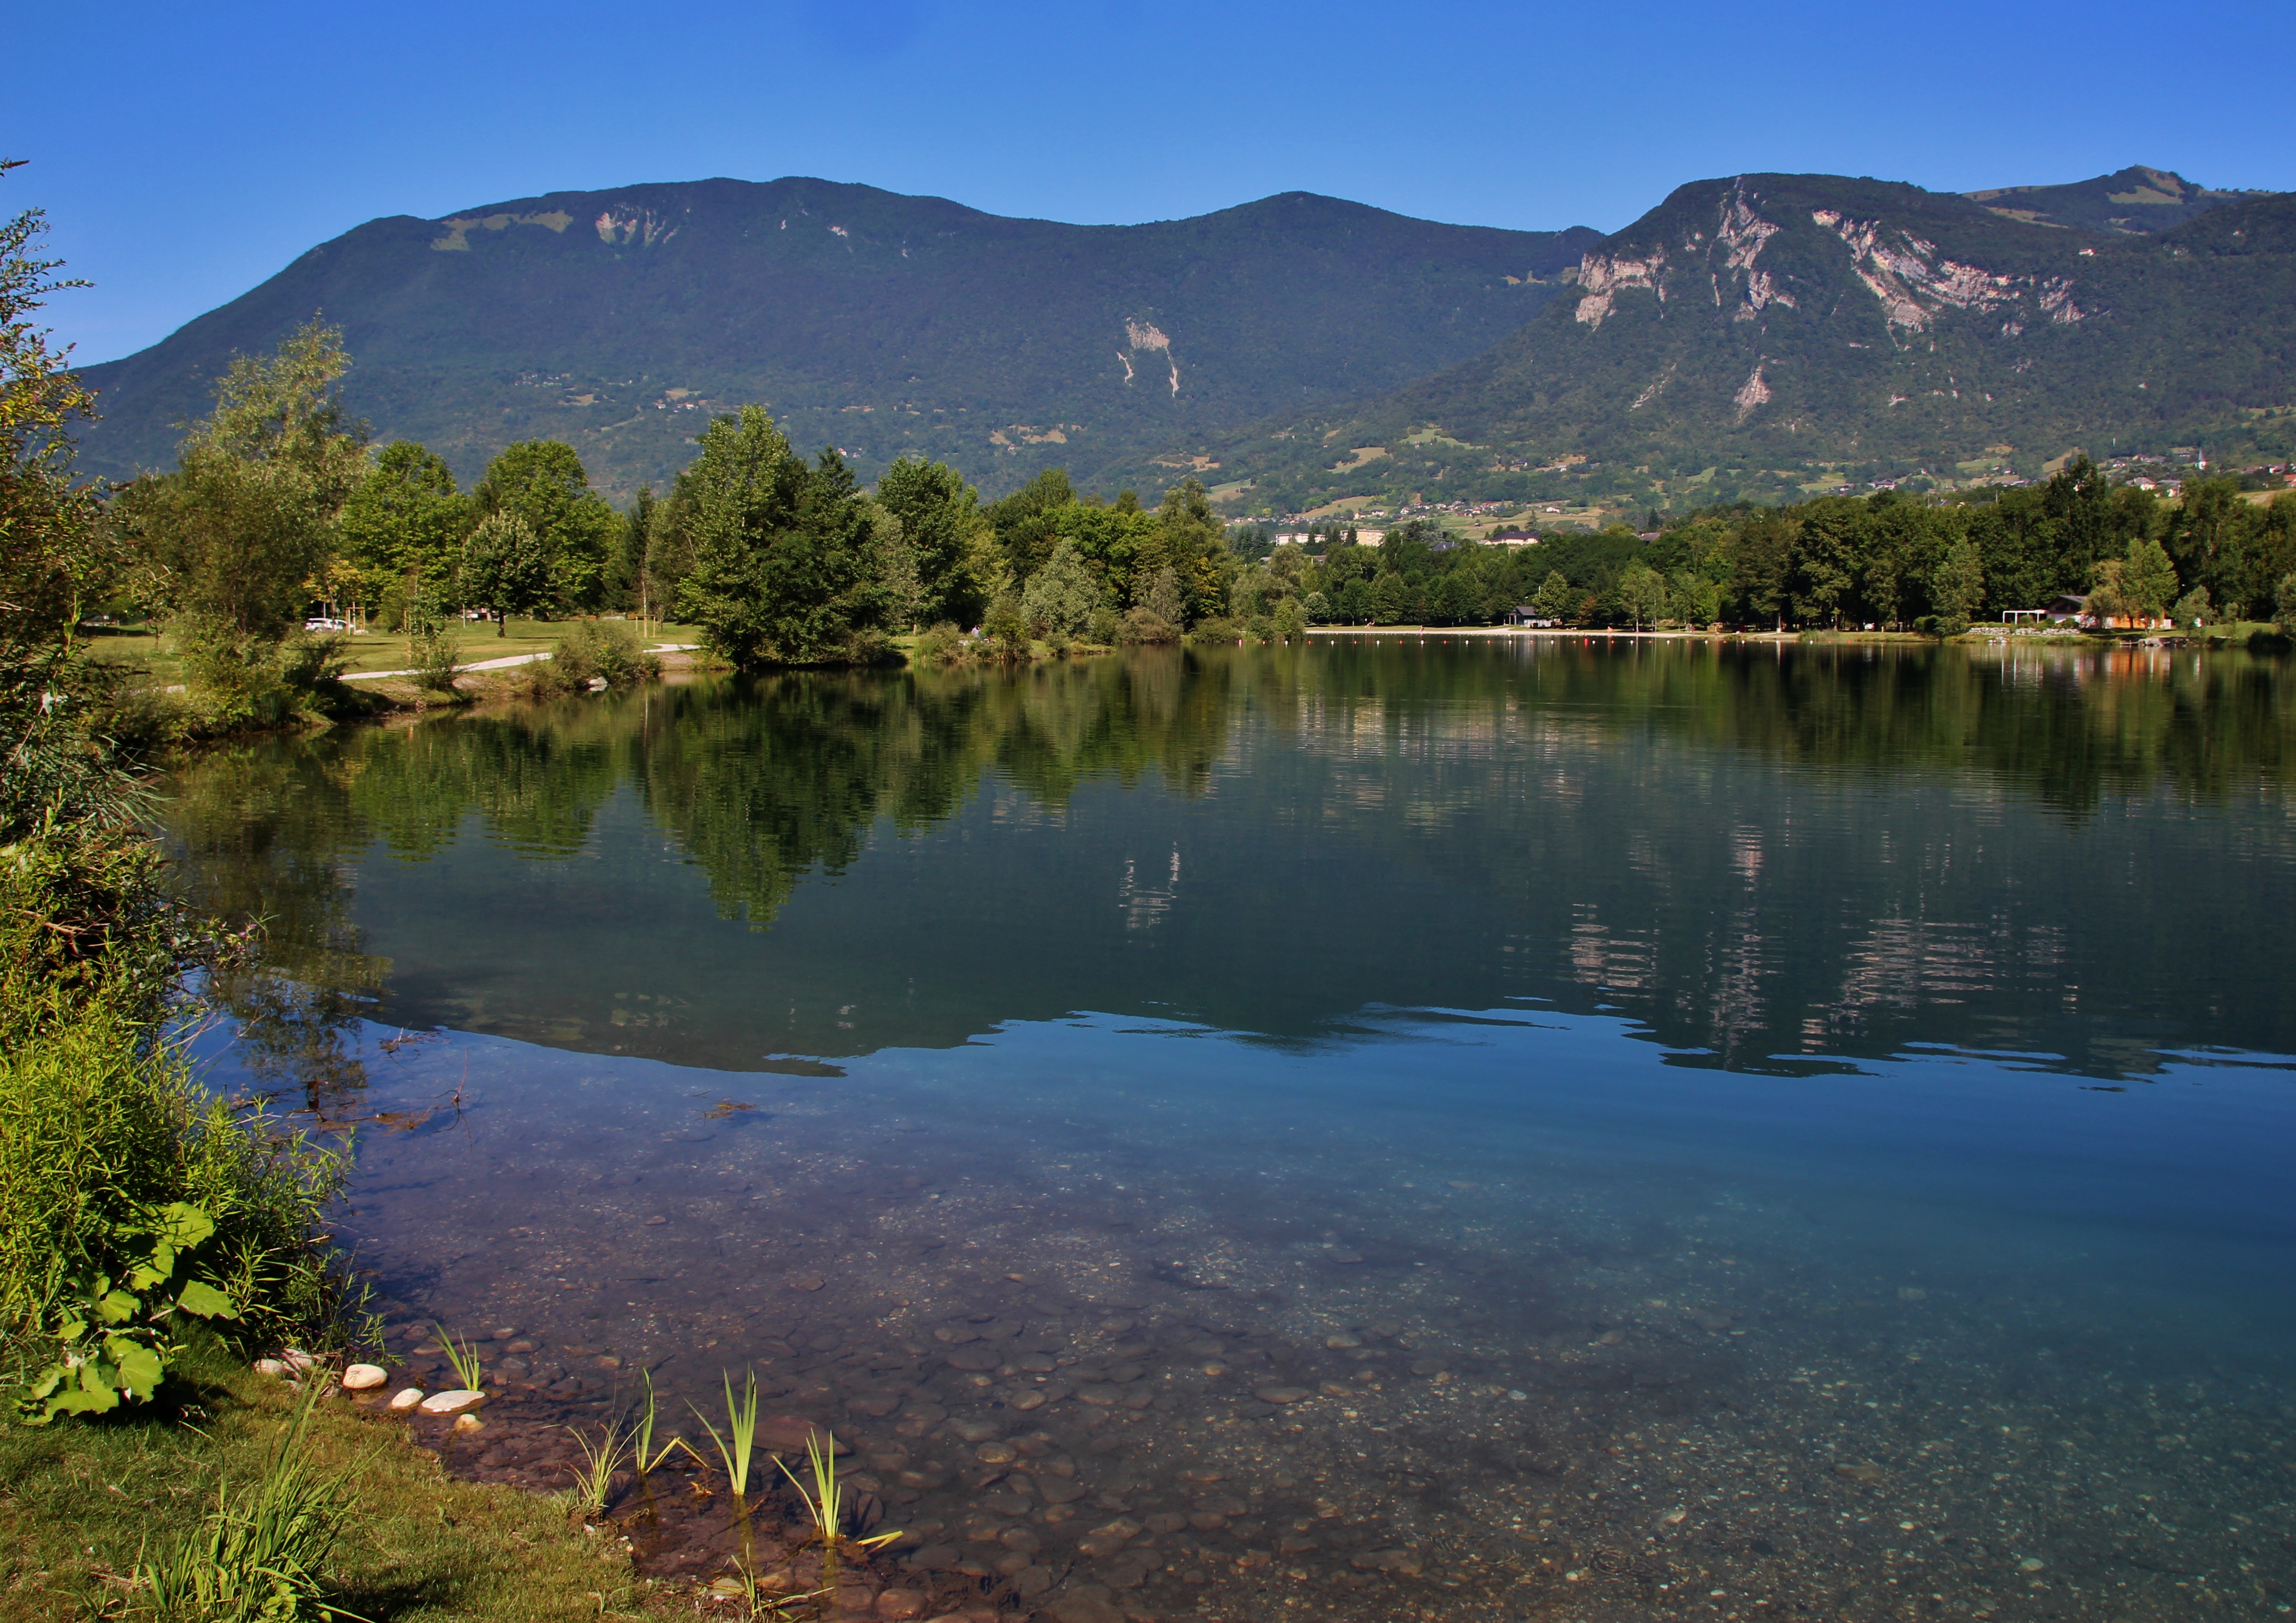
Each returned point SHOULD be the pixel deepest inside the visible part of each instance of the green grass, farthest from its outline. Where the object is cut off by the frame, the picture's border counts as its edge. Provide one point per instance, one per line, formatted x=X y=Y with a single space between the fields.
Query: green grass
x=80 y=1503
x=142 y=651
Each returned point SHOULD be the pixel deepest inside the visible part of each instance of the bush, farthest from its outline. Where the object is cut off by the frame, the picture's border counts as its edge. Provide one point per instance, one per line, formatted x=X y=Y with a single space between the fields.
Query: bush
x=1006 y=628
x=1105 y=627
x=1143 y=624
x=594 y=650
x=107 y=1142
x=943 y=644
x=1217 y=629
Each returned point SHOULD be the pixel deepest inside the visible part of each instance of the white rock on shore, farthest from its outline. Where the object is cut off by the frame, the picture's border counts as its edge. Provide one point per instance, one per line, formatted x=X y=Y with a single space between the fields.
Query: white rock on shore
x=363 y=1377
x=406 y=1398
x=452 y=1402
x=272 y=1367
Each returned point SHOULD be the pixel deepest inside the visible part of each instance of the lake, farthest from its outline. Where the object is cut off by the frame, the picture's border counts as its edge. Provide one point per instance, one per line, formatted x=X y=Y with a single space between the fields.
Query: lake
x=1447 y=1127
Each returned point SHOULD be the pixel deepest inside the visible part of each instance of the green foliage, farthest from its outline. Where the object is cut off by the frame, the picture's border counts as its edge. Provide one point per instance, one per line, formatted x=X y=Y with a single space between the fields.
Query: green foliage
x=1961 y=581
x=780 y=549
x=260 y=1557
x=606 y=650
x=541 y=483
x=228 y=541
x=406 y=521
x=1061 y=595
x=114 y=1332
x=430 y=651
x=504 y=568
x=124 y=1186
x=947 y=537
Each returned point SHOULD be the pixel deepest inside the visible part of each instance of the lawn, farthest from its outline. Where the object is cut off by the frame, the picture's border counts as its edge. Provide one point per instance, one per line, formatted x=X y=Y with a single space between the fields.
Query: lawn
x=81 y=1500
x=142 y=650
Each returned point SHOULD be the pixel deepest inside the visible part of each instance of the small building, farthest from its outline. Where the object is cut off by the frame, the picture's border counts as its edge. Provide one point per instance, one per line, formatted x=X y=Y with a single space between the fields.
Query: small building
x=1511 y=537
x=1524 y=614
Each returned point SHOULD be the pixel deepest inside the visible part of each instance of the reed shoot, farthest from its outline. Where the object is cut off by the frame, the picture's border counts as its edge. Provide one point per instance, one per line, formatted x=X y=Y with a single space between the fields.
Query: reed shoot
x=594 y=1478
x=736 y=1444
x=825 y=1507
x=464 y=1356
x=648 y=1457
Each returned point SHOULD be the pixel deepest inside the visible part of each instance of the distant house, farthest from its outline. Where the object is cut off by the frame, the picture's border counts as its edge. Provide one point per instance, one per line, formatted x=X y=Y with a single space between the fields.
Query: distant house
x=1512 y=538
x=1523 y=614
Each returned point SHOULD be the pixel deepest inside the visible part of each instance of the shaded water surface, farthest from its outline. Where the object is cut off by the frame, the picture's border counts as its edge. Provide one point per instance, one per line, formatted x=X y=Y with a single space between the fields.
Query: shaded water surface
x=1408 y=1128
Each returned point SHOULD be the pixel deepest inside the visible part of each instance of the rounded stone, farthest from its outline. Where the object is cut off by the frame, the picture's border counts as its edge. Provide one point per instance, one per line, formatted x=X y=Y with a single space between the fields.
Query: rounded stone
x=363 y=1377
x=468 y=1423
x=451 y=1402
x=406 y=1398
x=272 y=1367
x=1279 y=1394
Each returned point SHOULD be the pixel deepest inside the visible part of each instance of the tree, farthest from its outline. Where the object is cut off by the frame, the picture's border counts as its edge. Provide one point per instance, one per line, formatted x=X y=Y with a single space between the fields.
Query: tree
x=1164 y=600
x=2148 y=580
x=952 y=538
x=1553 y=598
x=625 y=569
x=57 y=558
x=1390 y=598
x=1025 y=522
x=542 y=481
x=780 y=550
x=406 y=518
x=1061 y=595
x=1642 y=593
x=251 y=513
x=1960 y=589
x=503 y=570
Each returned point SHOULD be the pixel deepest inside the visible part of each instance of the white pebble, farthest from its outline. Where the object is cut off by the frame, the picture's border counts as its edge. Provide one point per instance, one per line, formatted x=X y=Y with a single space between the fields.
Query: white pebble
x=452 y=1402
x=408 y=1398
x=363 y=1377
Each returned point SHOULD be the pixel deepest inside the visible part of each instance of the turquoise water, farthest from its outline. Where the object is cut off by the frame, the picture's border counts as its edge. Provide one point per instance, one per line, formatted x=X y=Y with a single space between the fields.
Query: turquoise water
x=1454 y=1130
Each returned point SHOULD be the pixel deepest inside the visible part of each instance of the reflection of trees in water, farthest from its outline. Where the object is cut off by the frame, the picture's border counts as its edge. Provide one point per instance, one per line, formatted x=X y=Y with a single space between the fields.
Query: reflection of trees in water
x=1625 y=806
x=1762 y=914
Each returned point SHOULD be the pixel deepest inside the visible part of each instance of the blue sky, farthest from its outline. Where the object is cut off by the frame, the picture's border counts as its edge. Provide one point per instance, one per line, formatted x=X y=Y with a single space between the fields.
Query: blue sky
x=184 y=153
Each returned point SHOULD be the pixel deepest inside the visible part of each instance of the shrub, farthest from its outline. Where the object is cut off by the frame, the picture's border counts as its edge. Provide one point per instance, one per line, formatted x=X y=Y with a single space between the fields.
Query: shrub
x=593 y=651
x=103 y=1130
x=943 y=644
x=1218 y=628
x=1105 y=627
x=1145 y=625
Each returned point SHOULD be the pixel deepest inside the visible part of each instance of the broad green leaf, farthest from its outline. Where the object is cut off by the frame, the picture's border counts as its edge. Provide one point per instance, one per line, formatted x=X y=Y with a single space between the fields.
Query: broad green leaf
x=101 y=1400
x=117 y=1308
x=184 y=1225
x=204 y=1300
x=139 y=1370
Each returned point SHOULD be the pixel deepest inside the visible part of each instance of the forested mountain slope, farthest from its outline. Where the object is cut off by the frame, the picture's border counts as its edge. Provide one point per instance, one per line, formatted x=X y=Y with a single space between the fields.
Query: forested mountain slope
x=1761 y=332
x=618 y=320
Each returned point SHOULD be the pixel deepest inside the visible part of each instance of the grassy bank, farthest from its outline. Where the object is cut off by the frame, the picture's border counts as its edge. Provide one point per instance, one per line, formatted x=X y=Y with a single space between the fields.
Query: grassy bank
x=81 y=1504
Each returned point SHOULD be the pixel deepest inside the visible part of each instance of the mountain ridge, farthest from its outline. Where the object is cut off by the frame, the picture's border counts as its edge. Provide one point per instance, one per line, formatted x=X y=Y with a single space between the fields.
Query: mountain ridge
x=1788 y=324
x=618 y=318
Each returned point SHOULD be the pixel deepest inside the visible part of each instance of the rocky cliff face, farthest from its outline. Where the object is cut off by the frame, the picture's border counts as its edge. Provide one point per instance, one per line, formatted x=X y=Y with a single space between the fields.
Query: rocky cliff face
x=1797 y=321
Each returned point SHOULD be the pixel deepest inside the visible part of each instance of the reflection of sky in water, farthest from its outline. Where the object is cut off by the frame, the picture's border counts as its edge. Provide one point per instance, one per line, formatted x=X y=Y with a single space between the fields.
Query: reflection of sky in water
x=1836 y=1147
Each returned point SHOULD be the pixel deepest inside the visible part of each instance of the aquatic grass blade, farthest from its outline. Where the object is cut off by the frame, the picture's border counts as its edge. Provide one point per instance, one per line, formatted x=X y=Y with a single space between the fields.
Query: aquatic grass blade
x=594 y=1478
x=824 y=1506
x=735 y=1446
x=648 y=1457
x=464 y=1356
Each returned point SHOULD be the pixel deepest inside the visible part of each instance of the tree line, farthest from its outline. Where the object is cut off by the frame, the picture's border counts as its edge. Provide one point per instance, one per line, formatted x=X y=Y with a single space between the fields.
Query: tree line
x=279 y=505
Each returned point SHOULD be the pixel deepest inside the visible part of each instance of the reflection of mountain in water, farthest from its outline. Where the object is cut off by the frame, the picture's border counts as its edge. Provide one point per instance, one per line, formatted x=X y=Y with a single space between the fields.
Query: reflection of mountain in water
x=1777 y=857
